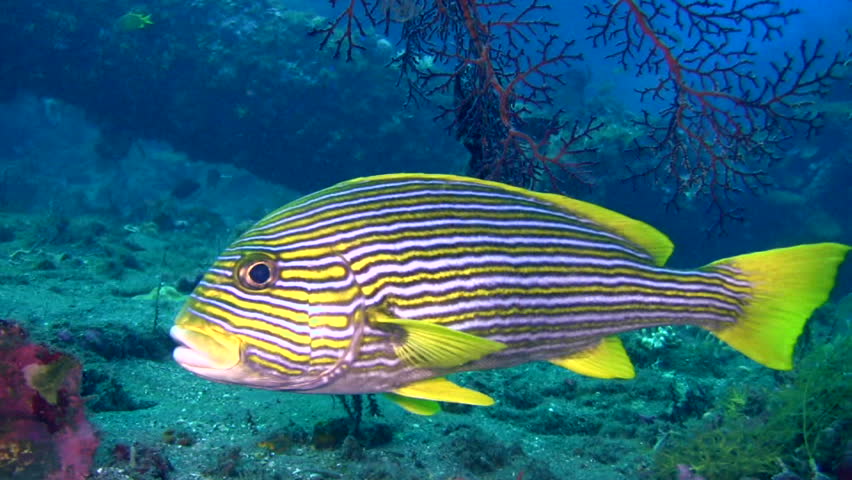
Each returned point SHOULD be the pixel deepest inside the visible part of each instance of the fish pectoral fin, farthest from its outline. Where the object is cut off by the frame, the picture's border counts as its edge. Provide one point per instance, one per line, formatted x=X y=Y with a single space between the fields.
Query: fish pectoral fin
x=606 y=360
x=442 y=390
x=417 y=406
x=428 y=345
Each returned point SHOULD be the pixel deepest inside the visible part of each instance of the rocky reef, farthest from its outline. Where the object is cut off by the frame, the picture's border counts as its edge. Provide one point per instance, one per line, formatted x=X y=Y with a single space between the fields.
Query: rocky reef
x=226 y=82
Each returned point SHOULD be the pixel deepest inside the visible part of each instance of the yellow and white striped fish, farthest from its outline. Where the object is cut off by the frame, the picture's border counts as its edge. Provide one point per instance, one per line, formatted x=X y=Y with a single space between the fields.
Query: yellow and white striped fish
x=389 y=283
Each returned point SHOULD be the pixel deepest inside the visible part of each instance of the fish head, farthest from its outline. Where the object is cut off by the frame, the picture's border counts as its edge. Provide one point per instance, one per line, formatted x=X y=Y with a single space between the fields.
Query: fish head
x=254 y=320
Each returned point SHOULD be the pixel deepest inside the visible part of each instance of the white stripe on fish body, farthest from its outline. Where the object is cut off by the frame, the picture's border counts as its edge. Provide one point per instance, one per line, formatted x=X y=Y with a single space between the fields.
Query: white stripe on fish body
x=298 y=348
x=276 y=359
x=414 y=226
x=282 y=244
x=663 y=318
x=258 y=301
x=375 y=271
x=269 y=221
x=474 y=192
x=459 y=264
x=390 y=210
x=481 y=240
x=452 y=309
x=307 y=285
x=545 y=280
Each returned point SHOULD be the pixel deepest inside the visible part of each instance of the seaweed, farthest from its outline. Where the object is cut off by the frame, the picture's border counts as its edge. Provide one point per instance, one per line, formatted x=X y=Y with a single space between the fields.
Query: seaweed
x=797 y=427
x=818 y=406
x=725 y=451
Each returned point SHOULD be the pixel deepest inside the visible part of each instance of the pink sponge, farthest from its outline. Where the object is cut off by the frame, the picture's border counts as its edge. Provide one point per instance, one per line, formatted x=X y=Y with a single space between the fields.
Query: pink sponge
x=43 y=428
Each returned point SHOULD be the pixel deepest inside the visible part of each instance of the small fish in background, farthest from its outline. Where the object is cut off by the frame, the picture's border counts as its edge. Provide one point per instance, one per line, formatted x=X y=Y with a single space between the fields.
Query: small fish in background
x=387 y=284
x=132 y=21
x=52 y=109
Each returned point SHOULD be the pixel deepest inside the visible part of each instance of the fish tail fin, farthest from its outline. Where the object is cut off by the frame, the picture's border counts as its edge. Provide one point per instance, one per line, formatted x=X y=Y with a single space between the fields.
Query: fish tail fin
x=788 y=284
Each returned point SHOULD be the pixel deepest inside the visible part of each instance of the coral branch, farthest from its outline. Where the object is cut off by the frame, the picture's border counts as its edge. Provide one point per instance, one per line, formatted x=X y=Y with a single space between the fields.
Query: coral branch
x=500 y=64
x=353 y=25
x=719 y=123
x=722 y=124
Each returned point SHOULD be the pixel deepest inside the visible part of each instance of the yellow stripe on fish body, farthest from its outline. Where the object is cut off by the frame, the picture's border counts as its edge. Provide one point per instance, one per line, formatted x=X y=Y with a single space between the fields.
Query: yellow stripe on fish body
x=386 y=284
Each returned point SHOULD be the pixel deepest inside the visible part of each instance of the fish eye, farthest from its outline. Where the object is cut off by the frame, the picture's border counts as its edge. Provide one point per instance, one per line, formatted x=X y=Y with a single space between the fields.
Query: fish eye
x=256 y=273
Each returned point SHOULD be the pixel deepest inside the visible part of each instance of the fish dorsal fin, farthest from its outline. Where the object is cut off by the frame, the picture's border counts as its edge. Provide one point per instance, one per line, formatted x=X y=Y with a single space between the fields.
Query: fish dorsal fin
x=442 y=390
x=429 y=345
x=416 y=406
x=606 y=360
x=656 y=243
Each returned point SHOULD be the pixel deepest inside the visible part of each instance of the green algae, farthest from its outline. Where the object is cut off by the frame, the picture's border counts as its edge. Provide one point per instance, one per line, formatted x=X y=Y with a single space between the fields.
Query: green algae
x=48 y=379
x=163 y=292
x=757 y=433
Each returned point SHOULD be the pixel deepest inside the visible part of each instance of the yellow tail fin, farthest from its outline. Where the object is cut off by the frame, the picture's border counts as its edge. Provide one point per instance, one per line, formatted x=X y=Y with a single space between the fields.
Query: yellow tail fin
x=788 y=285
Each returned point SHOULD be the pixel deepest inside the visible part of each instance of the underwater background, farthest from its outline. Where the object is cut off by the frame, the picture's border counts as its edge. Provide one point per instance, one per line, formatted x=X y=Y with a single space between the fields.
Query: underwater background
x=138 y=139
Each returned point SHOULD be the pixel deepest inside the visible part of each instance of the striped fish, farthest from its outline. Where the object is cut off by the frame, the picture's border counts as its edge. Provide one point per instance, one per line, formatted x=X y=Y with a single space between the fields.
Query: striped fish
x=389 y=283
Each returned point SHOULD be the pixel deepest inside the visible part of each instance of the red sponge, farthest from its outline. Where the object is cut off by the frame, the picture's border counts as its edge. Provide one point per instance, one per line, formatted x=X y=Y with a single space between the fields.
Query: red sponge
x=43 y=428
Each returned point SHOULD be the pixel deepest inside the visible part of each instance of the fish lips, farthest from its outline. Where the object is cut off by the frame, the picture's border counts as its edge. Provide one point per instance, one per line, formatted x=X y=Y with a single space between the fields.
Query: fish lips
x=219 y=357
x=205 y=354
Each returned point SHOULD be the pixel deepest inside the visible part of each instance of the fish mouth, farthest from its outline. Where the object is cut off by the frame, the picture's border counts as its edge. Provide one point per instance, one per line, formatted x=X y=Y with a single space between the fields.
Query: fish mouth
x=215 y=354
x=206 y=353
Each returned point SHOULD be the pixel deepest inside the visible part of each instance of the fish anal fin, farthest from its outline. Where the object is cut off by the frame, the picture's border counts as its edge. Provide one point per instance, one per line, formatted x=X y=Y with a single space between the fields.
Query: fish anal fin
x=440 y=389
x=417 y=406
x=606 y=360
x=429 y=345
